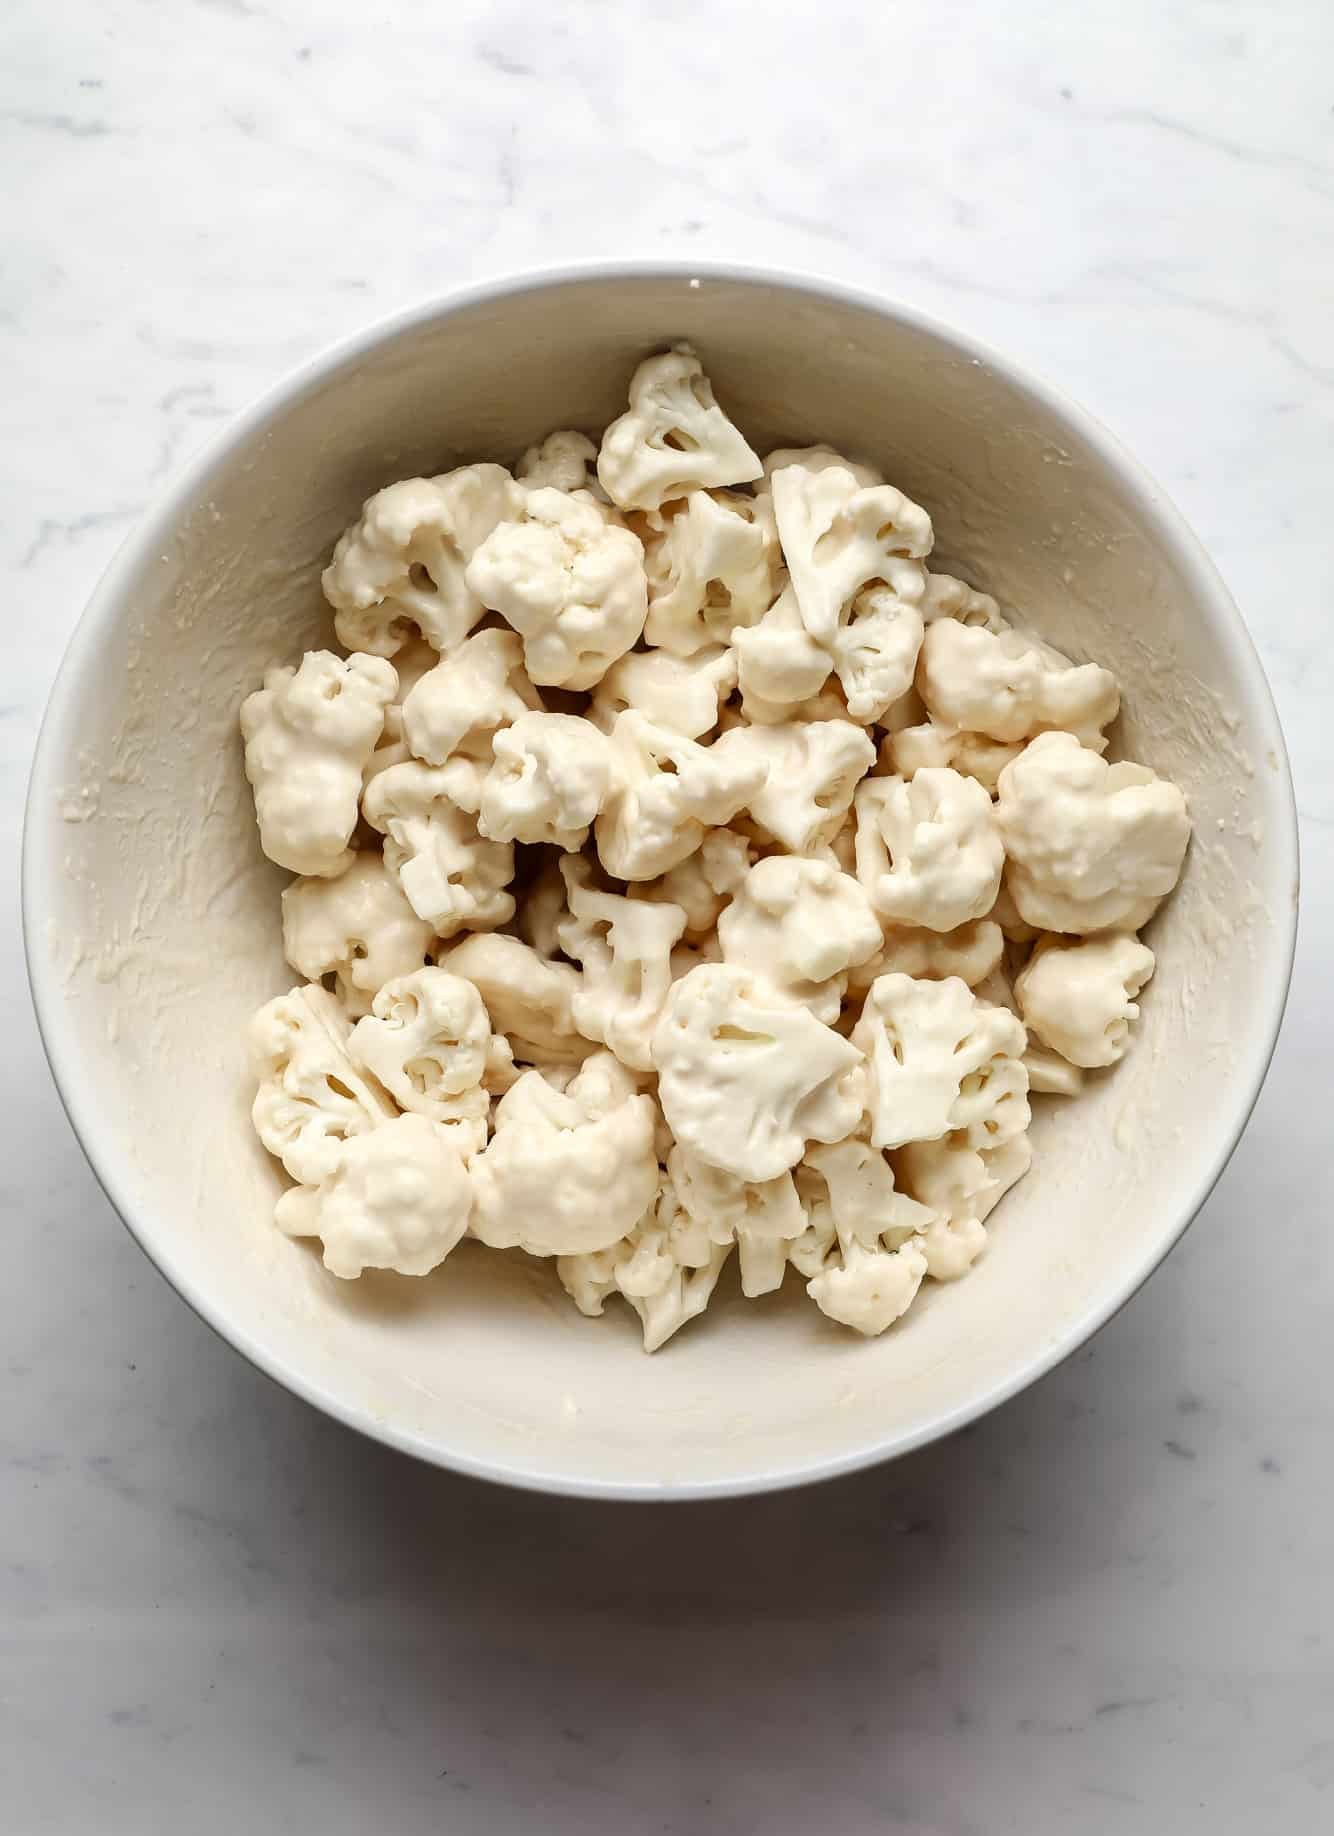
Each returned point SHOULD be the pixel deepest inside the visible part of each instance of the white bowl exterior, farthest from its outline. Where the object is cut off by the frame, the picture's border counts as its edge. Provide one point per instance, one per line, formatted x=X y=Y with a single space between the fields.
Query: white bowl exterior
x=153 y=920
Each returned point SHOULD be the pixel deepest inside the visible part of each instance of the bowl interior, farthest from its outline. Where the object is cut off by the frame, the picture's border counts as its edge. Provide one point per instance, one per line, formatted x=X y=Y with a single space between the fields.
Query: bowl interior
x=153 y=919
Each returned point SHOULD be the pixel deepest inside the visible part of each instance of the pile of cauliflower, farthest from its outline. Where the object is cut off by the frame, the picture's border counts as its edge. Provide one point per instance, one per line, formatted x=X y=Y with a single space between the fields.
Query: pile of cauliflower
x=683 y=868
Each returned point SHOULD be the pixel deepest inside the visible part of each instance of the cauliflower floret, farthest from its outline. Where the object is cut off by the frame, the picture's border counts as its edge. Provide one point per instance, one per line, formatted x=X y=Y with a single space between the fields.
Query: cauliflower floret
x=703 y=883
x=761 y=1218
x=928 y=851
x=875 y=652
x=940 y=1060
x=869 y=1289
x=962 y=1185
x=411 y=663
x=666 y=791
x=827 y=705
x=680 y=693
x=673 y=439
x=1011 y=686
x=561 y=461
x=571 y=584
x=779 y=663
x=714 y=567
x=663 y=1291
x=973 y=755
x=1049 y=1074
x=1006 y=914
x=550 y=777
x=666 y=1268
x=1080 y=997
x=399 y=570
x=567 y=1172
x=946 y=597
x=1091 y=846
x=428 y=1041
x=452 y=877
x=971 y=953
x=746 y=1078
x=311 y=1097
x=541 y=909
x=837 y=536
x=803 y=924
x=398 y=1198
x=811 y=770
x=873 y=1278
x=309 y=733
x=358 y=928
x=529 y=999
x=841 y=851
x=815 y=459
x=864 y=1202
x=625 y=948
x=467 y=698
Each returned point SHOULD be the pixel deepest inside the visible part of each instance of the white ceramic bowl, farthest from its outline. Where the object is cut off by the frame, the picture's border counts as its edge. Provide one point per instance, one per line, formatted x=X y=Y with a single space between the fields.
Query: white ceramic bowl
x=152 y=920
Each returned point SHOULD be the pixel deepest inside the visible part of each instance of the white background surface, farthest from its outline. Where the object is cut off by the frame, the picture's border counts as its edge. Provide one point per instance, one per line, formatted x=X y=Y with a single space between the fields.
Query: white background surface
x=1108 y=1607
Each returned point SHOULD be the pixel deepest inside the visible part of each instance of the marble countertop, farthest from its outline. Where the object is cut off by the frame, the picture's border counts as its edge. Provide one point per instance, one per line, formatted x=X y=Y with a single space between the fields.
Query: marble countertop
x=1107 y=1608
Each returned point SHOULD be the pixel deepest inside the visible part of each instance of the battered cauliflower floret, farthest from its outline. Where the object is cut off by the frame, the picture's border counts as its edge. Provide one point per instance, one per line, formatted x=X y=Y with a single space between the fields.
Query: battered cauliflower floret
x=677 y=692
x=946 y=597
x=762 y=1218
x=398 y=1198
x=311 y=1097
x=564 y=461
x=1006 y=914
x=962 y=1186
x=550 y=777
x=1091 y=846
x=625 y=948
x=1011 y=686
x=451 y=876
x=570 y=583
x=875 y=652
x=815 y=459
x=746 y=1078
x=309 y=733
x=666 y=1269
x=811 y=770
x=541 y=909
x=529 y=1000
x=703 y=883
x=674 y=438
x=399 y=570
x=803 y=924
x=972 y=755
x=1049 y=1074
x=972 y=953
x=714 y=567
x=837 y=536
x=866 y=1271
x=868 y=1289
x=864 y=1201
x=940 y=1060
x=567 y=1172
x=358 y=928
x=779 y=663
x=928 y=851
x=428 y=1041
x=667 y=791
x=467 y=698
x=411 y=663
x=1080 y=997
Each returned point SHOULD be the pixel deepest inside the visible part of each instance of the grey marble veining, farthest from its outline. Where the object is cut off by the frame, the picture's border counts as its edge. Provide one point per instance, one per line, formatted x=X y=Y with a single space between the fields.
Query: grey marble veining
x=1107 y=1608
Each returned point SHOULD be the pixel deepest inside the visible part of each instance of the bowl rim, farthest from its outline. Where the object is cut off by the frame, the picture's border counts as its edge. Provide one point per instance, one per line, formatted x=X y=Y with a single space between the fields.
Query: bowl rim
x=108 y=1159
